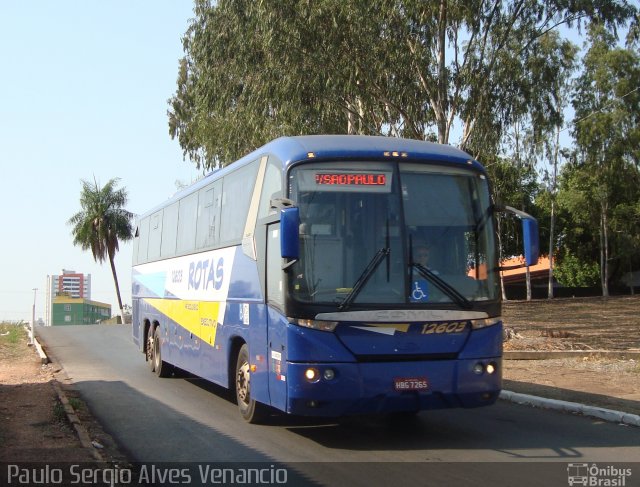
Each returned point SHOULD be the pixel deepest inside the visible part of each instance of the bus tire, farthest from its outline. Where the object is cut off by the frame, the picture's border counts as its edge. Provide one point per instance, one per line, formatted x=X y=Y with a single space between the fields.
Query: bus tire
x=149 y=351
x=250 y=410
x=161 y=368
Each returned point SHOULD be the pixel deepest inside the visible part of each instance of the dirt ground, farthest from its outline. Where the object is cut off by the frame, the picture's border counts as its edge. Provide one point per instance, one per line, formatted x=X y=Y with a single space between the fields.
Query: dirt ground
x=33 y=423
x=574 y=324
x=577 y=324
x=33 y=426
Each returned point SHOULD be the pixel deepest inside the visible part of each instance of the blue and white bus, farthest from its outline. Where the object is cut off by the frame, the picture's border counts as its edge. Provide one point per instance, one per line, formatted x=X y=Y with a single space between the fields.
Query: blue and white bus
x=328 y=276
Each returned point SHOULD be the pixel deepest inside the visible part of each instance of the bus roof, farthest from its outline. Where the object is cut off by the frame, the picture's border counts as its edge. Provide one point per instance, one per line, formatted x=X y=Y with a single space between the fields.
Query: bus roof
x=293 y=149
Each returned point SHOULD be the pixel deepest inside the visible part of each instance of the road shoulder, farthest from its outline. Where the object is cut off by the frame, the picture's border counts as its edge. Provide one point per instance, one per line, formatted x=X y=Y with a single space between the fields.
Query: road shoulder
x=590 y=380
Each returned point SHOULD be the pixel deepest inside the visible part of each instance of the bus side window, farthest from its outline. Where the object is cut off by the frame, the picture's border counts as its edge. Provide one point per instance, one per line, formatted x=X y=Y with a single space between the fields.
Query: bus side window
x=209 y=215
x=169 y=231
x=136 y=243
x=271 y=188
x=155 y=236
x=143 y=244
x=237 y=188
x=187 y=218
x=275 y=294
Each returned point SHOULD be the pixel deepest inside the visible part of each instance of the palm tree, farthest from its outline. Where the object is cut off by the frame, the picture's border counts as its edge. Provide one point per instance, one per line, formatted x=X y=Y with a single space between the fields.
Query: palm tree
x=102 y=223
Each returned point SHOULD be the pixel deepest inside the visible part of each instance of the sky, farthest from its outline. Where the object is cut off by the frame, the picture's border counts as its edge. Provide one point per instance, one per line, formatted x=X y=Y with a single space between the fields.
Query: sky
x=83 y=95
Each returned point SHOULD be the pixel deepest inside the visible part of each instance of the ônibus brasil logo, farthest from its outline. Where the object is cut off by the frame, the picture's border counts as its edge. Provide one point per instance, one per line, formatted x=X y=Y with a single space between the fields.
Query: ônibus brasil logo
x=592 y=475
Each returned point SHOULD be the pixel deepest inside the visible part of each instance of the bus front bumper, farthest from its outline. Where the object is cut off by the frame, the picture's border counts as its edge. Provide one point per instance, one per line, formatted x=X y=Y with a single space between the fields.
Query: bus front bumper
x=387 y=387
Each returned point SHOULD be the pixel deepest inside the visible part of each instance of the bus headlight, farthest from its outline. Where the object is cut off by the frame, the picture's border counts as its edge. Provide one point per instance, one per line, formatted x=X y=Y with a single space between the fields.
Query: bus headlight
x=477 y=324
x=479 y=368
x=312 y=375
x=315 y=324
x=329 y=374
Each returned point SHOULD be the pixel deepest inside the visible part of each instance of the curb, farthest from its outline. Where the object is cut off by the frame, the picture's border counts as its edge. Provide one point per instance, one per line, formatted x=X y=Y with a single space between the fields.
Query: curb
x=83 y=434
x=604 y=414
x=81 y=431
x=546 y=355
x=43 y=356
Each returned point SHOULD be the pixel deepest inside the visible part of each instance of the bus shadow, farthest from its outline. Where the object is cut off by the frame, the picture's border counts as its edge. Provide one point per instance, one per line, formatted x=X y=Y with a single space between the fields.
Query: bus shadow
x=514 y=431
x=148 y=431
x=274 y=417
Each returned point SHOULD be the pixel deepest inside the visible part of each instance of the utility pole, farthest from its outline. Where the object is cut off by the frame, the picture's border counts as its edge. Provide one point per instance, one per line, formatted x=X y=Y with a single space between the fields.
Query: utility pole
x=33 y=316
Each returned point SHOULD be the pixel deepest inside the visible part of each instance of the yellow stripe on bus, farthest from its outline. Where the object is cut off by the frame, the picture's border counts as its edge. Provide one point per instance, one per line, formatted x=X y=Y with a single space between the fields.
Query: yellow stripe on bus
x=197 y=317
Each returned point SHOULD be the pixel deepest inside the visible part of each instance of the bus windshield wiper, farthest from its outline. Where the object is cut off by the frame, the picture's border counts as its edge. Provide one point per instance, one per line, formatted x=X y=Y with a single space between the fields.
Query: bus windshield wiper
x=364 y=277
x=443 y=285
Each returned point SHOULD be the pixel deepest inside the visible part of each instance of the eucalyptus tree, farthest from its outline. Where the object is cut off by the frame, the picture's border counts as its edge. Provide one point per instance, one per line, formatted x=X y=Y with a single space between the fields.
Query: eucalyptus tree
x=255 y=70
x=607 y=133
x=102 y=223
x=546 y=145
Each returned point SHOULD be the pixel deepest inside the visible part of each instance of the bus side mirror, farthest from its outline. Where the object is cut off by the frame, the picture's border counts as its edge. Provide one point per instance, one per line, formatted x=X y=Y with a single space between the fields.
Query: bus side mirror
x=289 y=233
x=530 y=235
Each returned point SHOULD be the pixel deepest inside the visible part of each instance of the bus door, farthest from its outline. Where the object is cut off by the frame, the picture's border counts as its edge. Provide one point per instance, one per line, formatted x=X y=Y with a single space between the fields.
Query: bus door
x=276 y=322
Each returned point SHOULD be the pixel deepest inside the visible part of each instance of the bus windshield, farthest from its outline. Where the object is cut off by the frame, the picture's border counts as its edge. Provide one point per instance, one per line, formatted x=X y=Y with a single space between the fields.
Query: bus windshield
x=379 y=234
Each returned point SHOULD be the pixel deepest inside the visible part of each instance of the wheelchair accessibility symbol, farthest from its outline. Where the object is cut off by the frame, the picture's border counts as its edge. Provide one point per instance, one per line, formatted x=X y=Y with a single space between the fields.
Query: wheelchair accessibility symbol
x=420 y=291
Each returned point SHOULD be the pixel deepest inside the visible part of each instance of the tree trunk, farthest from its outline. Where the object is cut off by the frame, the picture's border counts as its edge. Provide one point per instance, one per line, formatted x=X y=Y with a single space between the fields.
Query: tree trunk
x=443 y=93
x=553 y=213
x=551 y=228
x=115 y=280
x=604 y=267
x=528 y=274
x=351 y=121
x=605 y=233
x=502 y=288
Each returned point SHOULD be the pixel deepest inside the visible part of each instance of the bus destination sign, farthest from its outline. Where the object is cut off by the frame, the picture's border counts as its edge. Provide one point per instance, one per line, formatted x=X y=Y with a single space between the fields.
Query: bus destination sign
x=351 y=179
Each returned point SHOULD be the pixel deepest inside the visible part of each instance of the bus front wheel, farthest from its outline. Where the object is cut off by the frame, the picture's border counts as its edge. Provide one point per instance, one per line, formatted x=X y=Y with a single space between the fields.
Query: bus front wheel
x=251 y=410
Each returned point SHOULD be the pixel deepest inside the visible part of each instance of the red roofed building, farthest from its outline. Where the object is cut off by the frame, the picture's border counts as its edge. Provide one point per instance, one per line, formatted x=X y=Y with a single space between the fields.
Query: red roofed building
x=539 y=272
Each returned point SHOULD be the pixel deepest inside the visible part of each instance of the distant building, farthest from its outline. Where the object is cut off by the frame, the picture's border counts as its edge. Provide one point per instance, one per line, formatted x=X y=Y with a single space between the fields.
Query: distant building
x=516 y=271
x=66 y=310
x=518 y=274
x=76 y=284
x=514 y=276
x=69 y=283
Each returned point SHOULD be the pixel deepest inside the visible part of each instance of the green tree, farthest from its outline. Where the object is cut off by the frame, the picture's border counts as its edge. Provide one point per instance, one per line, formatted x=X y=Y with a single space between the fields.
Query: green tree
x=102 y=223
x=607 y=134
x=256 y=70
x=577 y=221
x=574 y=272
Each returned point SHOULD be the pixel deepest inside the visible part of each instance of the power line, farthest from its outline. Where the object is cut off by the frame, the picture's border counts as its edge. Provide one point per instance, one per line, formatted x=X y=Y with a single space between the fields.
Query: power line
x=575 y=122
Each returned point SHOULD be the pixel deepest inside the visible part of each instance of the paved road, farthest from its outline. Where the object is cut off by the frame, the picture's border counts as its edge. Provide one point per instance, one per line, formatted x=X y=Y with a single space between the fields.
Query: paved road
x=189 y=420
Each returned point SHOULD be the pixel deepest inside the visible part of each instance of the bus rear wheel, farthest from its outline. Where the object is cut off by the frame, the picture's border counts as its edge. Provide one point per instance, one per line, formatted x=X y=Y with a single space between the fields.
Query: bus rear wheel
x=149 y=351
x=251 y=410
x=161 y=368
